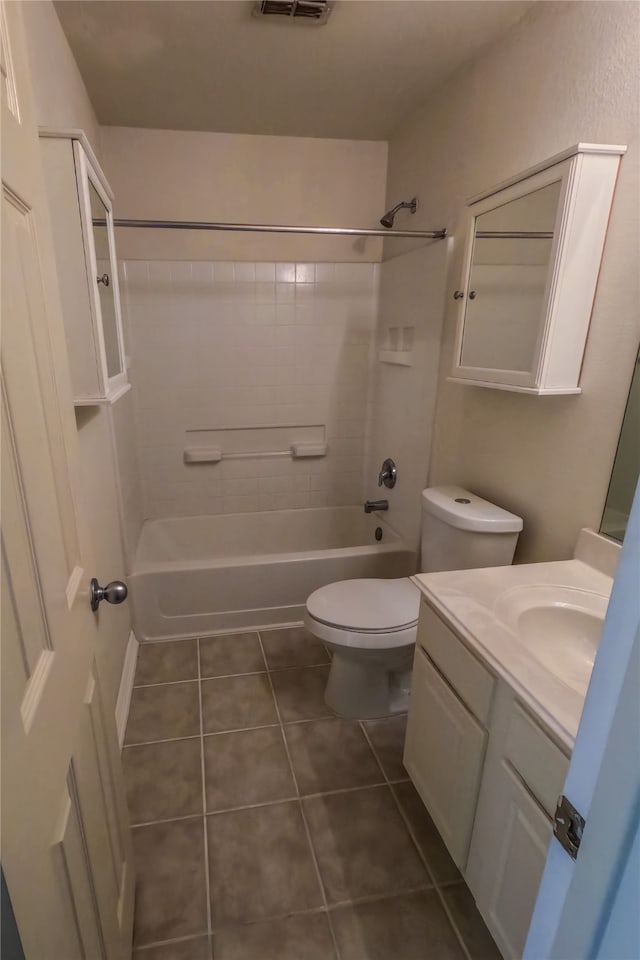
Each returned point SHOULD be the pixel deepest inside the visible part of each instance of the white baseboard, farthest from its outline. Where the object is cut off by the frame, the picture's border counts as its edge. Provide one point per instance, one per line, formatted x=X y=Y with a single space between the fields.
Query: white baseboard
x=126 y=687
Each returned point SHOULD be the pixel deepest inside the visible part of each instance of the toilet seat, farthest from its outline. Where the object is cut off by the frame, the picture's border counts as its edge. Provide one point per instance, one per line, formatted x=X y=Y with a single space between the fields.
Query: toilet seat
x=365 y=613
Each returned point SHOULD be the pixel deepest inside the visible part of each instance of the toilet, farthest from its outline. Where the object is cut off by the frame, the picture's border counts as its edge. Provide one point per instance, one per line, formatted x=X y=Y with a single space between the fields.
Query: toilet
x=370 y=625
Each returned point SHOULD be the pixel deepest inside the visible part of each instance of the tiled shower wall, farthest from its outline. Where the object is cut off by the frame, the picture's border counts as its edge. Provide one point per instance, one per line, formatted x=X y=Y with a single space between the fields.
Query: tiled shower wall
x=221 y=344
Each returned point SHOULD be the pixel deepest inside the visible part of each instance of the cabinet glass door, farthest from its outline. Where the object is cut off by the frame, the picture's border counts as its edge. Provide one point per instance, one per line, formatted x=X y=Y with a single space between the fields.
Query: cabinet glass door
x=106 y=284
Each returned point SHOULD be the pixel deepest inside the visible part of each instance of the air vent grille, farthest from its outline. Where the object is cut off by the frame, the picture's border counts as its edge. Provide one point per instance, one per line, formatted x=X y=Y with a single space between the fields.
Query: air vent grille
x=311 y=11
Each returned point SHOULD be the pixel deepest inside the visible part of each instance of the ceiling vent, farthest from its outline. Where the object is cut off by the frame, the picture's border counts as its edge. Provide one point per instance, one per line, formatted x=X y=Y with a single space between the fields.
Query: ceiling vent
x=304 y=11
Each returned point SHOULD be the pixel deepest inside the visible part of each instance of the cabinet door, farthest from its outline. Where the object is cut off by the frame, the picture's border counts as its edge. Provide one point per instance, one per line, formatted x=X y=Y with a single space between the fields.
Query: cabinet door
x=444 y=754
x=102 y=272
x=512 y=854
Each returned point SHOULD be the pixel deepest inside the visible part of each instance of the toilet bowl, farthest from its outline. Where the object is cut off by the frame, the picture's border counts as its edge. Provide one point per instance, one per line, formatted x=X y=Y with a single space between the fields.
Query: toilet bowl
x=370 y=625
x=370 y=628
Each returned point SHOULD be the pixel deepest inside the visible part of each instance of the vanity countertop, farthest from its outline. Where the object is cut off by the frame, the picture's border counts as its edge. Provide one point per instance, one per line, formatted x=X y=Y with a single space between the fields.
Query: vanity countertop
x=466 y=600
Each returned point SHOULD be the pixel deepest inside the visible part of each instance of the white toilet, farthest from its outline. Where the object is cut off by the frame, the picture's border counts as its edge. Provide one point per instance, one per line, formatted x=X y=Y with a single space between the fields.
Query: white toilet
x=370 y=625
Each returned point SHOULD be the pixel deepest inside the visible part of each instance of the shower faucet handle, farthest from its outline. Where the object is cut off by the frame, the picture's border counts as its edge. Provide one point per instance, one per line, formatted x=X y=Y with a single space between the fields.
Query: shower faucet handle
x=388 y=474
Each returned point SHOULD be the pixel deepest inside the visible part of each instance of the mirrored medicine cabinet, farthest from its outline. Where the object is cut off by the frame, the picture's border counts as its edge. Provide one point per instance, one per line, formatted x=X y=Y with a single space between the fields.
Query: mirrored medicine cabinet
x=533 y=247
x=80 y=203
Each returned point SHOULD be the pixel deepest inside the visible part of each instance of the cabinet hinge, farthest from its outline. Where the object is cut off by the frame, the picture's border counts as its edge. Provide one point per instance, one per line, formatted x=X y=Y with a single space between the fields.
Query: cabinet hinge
x=568 y=826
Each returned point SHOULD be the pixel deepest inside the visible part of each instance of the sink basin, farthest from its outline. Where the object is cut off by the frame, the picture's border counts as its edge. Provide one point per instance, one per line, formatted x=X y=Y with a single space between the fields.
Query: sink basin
x=559 y=626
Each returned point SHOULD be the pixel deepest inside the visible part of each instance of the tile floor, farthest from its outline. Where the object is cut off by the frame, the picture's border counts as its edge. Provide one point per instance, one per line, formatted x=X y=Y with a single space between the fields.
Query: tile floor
x=265 y=828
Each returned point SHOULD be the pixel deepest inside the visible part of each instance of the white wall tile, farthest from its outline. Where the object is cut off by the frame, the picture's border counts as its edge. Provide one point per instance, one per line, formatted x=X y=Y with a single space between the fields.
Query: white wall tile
x=239 y=345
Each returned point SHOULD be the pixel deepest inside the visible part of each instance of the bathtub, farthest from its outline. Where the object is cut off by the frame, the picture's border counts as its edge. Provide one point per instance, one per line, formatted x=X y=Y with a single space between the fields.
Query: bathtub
x=214 y=574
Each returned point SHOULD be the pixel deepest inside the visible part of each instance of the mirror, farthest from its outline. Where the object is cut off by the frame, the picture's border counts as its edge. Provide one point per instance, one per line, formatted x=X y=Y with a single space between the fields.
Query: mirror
x=626 y=466
x=104 y=270
x=511 y=253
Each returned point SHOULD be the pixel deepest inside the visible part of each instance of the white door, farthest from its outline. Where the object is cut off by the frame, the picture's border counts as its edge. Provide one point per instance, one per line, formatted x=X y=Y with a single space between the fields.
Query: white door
x=65 y=840
x=584 y=906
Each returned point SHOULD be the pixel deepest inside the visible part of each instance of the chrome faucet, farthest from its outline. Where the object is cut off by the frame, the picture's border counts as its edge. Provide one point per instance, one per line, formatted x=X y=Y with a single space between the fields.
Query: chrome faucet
x=375 y=505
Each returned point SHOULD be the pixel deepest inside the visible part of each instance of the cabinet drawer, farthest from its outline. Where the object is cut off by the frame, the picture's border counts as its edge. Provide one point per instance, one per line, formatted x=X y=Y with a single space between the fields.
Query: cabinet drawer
x=540 y=763
x=444 y=754
x=473 y=682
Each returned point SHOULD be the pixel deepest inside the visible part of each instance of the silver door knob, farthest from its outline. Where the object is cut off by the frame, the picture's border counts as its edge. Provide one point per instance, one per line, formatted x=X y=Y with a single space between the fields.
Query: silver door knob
x=114 y=592
x=458 y=295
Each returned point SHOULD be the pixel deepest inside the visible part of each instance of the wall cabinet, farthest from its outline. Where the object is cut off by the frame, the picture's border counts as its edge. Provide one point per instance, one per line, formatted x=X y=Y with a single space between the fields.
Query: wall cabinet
x=80 y=202
x=533 y=251
x=488 y=774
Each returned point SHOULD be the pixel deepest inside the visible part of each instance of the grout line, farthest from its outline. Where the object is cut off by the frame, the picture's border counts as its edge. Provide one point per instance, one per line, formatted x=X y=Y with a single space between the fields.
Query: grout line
x=423 y=859
x=207 y=883
x=147 y=743
x=302 y=813
x=162 y=943
x=221 y=733
x=153 y=823
x=163 y=683
x=311 y=911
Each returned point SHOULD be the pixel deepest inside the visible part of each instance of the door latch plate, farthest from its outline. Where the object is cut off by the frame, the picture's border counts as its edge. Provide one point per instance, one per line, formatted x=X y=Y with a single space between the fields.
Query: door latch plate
x=568 y=826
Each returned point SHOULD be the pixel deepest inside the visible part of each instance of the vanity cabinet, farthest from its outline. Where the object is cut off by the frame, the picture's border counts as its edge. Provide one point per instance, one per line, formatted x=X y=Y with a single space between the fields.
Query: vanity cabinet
x=532 y=256
x=80 y=203
x=489 y=775
x=446 y=737
x=522 y=779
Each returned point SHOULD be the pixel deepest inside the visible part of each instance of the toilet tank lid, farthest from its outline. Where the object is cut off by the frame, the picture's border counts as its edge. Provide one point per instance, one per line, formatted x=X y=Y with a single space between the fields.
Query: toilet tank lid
x=464 y=510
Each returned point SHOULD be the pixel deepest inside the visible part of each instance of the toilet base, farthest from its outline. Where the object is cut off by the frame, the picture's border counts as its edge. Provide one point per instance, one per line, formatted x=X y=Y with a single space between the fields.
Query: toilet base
x=360 y=690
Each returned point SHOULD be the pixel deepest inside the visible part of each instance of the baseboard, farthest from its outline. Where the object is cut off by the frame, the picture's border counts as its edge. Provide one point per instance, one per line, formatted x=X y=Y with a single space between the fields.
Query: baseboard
x=126 y=687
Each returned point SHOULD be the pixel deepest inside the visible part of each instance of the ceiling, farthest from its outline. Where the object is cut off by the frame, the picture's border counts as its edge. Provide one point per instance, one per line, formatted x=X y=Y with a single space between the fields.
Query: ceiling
x=210 y=65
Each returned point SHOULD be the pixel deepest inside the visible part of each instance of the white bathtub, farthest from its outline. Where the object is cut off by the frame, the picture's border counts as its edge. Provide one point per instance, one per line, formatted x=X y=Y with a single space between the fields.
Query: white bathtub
x=201 y=575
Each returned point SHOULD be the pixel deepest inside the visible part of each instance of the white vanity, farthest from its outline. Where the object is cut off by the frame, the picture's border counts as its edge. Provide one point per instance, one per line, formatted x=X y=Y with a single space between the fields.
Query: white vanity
x=502 y=664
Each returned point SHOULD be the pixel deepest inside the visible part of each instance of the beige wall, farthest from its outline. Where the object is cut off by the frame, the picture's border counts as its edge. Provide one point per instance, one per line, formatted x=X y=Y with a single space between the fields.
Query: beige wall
x=567 y=72
x=174 y=175
x=60 y=94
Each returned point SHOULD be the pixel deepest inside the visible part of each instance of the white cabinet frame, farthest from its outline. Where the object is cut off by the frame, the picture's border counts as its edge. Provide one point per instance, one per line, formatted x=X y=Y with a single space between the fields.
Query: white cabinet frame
x=587 y=174
x=73 y=229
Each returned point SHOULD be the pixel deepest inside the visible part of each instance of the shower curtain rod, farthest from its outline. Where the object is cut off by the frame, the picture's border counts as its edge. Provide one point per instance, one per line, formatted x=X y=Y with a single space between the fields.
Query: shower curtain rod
x=273 y=228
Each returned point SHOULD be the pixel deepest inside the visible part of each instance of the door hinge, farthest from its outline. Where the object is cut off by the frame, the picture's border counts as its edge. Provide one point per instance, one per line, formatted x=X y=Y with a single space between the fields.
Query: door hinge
x=568 y=826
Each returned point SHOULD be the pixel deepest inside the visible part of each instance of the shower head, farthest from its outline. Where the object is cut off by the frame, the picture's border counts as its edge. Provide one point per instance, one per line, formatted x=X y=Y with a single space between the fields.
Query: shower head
x=387 y=220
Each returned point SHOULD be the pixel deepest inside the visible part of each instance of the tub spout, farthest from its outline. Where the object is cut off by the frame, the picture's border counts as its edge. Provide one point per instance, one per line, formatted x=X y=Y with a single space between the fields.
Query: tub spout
x=377 y=505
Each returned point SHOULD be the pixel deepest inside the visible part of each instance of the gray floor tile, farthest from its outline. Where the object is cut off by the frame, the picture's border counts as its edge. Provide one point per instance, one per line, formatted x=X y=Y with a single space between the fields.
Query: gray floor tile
x=305 y=937
x=429 y=840
x=470 y=924
x=170 y=888
x=300 y=693
x=292 y=647
x=409 y=927
x=171 y=710
x=362 y=845
x=167 y=662
x=197 y=949
x=233 y=703
x=232 y=653
x=247 y=767
x=163 y=780
x=260 y=864
x=387 y=737
x=331 y=755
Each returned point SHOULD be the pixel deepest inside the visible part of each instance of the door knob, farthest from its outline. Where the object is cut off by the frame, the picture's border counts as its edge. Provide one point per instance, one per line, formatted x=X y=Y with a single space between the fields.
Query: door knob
x=114 y=592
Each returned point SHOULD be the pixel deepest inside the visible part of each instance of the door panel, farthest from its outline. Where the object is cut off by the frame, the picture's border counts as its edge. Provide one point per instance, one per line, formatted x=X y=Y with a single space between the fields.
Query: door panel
x=66 y=847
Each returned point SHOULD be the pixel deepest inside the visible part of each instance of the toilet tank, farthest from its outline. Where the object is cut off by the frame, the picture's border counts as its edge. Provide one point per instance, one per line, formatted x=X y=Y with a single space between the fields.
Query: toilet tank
x=461 y=531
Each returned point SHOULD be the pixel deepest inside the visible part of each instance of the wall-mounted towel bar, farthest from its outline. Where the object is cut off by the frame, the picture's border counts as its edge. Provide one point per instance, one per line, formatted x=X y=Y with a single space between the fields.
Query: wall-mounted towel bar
x=297 y=451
